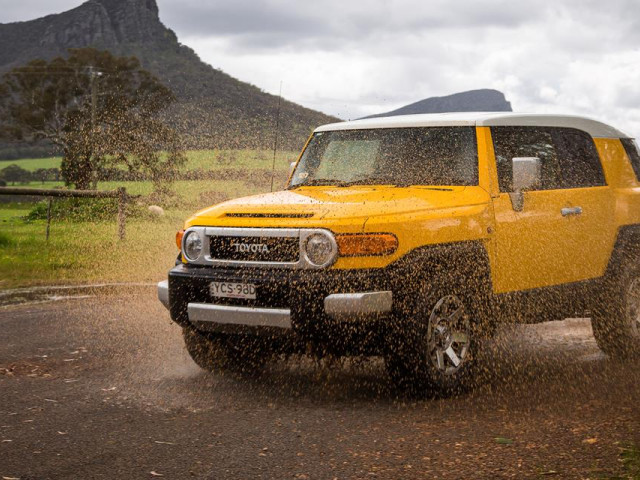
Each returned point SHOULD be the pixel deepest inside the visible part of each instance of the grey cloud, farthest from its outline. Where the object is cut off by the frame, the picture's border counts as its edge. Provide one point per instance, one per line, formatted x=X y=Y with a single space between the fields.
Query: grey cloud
x=355 y=58
x=267 y=24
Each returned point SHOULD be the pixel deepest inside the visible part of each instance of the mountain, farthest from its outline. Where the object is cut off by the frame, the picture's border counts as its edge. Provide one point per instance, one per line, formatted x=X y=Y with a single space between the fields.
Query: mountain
x=213 y=108
x=484 y=100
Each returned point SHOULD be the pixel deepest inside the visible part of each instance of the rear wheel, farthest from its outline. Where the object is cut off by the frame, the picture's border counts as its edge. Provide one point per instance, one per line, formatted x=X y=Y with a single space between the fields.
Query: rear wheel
x=243 y=355
x=433 y=351
x=616 y=317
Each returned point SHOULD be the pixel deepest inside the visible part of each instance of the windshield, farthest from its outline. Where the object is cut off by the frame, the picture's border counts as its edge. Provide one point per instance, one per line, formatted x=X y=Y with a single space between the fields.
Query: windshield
x=394 y=156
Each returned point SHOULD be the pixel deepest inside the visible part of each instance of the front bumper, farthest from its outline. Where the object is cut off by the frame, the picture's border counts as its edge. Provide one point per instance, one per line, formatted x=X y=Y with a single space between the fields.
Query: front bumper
x=335 y=305
x=245 y=316
x=338 y=307
x=163 y=293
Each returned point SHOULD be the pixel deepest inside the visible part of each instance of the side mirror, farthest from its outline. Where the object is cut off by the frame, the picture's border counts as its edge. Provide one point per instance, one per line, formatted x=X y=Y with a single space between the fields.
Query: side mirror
x=527 y=175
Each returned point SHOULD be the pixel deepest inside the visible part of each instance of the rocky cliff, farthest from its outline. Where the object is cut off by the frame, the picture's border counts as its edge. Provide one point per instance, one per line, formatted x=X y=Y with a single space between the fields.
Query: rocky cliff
x=214 y=109
x=484 y=100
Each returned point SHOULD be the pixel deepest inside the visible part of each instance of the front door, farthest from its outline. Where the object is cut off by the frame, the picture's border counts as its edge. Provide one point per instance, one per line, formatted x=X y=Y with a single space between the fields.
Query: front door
x=565 y=231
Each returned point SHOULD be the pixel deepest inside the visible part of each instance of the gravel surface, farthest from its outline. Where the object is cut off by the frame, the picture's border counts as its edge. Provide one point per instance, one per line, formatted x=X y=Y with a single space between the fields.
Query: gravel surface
x=102 y=387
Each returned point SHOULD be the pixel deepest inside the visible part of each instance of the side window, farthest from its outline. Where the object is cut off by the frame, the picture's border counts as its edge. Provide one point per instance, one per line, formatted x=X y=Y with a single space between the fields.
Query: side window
x=511 y=142
x=631 y=147
x=579 y=160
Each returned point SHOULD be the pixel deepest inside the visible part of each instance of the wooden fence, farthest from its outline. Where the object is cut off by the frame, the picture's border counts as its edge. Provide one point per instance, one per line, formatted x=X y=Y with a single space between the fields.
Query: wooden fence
x=120 y=194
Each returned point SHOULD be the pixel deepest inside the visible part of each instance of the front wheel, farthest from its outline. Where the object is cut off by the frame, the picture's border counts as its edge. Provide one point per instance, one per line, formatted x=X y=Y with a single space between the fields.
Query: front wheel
x=237 y=354
x=433 y=351
x=616 y=317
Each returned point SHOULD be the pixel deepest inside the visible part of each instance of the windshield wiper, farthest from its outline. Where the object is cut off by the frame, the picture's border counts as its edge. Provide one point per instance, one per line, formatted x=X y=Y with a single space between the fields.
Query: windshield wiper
x=370 y=181
x=318 y=182
x=393 y=183
x=424 y=187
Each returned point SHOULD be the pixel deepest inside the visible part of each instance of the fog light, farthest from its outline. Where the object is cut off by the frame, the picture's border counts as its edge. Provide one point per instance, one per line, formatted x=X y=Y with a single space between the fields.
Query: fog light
x=192 y=246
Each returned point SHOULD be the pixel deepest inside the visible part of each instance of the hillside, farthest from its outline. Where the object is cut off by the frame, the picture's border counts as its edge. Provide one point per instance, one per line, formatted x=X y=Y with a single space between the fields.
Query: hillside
x=483 y=100
x=214 y=109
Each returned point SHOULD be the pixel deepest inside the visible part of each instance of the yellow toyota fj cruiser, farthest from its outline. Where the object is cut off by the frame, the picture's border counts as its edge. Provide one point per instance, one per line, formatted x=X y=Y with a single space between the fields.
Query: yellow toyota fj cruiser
x=411 y=237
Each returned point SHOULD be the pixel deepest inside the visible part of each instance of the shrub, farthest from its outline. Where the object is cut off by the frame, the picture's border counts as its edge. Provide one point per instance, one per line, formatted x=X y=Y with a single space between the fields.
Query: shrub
x=81 y=209
x=5 y=240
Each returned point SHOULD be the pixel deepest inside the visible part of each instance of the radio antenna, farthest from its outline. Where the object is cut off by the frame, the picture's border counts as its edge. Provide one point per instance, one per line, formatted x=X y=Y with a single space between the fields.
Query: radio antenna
x=275 y=140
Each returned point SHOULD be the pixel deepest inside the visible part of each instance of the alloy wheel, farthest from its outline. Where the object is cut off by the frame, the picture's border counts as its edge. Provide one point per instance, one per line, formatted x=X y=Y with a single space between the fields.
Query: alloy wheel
x=449 y=335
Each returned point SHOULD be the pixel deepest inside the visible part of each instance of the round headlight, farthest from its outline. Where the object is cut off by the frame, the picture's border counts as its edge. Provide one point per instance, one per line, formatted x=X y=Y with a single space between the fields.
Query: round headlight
x=320 y=249
x=192 y=246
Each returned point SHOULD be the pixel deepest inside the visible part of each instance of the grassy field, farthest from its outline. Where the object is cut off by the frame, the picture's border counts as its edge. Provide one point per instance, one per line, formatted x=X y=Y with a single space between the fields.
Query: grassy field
x=205 y=159
x=82 y=252
x=33 y=164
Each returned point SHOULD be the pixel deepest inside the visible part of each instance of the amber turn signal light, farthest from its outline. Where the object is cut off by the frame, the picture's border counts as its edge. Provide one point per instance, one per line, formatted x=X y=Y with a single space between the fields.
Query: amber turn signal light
x=179 y=235
x=358 y=245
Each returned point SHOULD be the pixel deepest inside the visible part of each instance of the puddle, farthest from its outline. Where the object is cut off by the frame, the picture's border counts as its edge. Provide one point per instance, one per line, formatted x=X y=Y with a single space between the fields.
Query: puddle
x=44 y=294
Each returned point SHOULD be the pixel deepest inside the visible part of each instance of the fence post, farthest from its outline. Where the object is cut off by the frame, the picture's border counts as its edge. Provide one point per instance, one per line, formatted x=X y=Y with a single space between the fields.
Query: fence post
x=122 y=213
x=49 y=216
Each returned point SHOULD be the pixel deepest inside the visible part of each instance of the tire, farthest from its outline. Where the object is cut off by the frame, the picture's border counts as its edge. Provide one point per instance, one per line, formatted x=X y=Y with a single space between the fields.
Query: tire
x=616 y=317
x=432 y=351
x=235 y=354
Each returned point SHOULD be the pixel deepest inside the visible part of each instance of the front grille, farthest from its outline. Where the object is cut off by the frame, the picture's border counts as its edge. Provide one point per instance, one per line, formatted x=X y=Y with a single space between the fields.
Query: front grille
x=255 y=249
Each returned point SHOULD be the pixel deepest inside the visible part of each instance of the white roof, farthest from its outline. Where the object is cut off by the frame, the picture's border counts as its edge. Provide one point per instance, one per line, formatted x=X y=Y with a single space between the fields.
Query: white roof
x=481 y=119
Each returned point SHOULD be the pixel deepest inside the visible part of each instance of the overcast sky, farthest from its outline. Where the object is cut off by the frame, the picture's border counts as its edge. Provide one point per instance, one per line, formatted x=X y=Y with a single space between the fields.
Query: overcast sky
x=350 y=59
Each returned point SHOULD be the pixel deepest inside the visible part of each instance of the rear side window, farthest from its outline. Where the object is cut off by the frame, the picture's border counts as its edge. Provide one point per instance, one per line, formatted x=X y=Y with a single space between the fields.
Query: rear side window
x=631 y=147
x=568 y=156
x=579 y=160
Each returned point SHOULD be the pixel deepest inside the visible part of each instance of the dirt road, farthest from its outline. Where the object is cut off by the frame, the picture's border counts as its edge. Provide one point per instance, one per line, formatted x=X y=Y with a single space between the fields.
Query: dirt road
x=102 y=388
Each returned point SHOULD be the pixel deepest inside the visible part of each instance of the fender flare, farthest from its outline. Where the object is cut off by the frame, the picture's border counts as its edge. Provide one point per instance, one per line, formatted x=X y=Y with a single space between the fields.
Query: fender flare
x=464 y=263
x=626 y=248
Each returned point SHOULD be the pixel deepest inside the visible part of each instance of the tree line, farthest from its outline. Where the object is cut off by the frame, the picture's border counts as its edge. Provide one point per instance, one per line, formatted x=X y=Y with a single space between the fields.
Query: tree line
x=15 y=174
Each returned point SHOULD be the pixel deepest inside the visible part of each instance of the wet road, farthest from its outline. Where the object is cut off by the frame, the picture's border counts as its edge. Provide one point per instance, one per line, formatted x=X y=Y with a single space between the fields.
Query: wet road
x=102 y=388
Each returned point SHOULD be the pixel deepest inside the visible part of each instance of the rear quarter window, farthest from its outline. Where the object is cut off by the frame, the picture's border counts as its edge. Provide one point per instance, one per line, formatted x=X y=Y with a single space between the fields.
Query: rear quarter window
x=579 y=160
x=631 y=147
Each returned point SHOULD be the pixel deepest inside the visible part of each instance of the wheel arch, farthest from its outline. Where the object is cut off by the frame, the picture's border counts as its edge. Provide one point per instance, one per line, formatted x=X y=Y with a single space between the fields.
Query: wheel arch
x=626 y=248
x=463 y=264
x=469 y=258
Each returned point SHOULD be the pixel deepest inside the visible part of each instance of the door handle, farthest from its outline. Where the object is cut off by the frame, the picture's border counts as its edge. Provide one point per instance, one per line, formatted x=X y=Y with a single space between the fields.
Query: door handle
x=567 y=211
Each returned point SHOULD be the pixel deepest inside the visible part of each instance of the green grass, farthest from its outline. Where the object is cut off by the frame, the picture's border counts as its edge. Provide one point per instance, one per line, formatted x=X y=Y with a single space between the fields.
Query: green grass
x=87 y=252
x=33 y=164
x=238 y=159
x=630 y=458
x=205 y=159
x=190 y=193
x=81 y=252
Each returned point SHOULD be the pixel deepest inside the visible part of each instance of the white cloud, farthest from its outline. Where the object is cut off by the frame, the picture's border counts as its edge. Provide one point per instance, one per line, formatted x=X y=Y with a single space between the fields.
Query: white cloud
x=565 y=56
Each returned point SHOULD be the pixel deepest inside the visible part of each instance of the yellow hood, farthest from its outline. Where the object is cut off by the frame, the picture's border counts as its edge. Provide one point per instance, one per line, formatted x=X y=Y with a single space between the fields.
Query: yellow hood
x=324 y=206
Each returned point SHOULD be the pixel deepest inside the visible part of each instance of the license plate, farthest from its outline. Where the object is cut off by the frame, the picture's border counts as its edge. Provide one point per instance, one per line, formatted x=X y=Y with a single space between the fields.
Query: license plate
x=233 y=290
